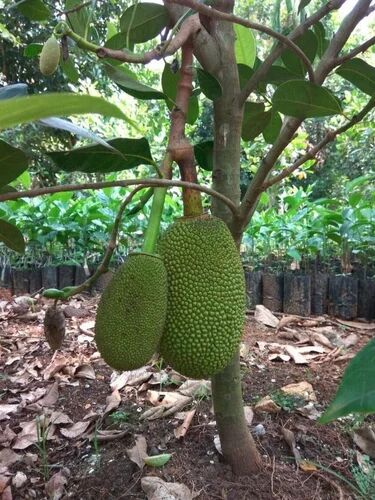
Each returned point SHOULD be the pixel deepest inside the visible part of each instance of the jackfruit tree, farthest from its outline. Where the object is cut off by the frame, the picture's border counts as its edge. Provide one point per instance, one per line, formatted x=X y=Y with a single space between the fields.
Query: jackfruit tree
x=262 y=84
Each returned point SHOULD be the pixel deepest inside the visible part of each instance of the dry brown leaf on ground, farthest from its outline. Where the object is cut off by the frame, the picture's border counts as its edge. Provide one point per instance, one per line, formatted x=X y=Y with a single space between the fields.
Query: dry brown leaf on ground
x=298 y=358
x=350 y=340
x=157 y=489
x=32 y=432
x=265 y=316
x=55 y=366
x=138 y=452
x=4 y=481
x=7 y=436
x=85 y=371
x=60 y=418
x=32 y=396
x=106 y=436
x=166 y=403
x=9 y=457
x=356 y=324
x=291 y=441
x=87 y=327
x=7 y=494
x=50 y=398
x=19 y=480
x=113 y=401
x=286 y=320
x=75 y=430
x=364 y=438
x=5 y=409
x=320 y=339
x=55 y=488
x=182 y=429
x=132 y=377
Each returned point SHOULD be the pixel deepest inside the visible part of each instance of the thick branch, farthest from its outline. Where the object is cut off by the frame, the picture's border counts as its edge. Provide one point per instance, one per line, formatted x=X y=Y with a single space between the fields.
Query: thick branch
x=33 y=193
x=224 y=16
x=330 y=136
x=358 y=50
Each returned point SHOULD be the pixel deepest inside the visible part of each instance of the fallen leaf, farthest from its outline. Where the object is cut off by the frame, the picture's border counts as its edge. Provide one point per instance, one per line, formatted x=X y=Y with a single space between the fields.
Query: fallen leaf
x=132 y=377
x=298 y=358
x=182 y=429
x=157 y=489
x=279 y=357
x=75 y=430
x=5 y=409
x=265 y=316
x=55 y=366
x=58 y=418
x=7 y=494
x=307 y=466
x=303 y=389
x=286 y=320
x=217 y=444
x=108 y=435
x=8 y=457
x=364 y=438
x=357 y=324
x=32 y=396
x=19 y=479
x=51 y=397
x=55 y=488
x=350 y=340
x=138 y=452
x=4 y=480
x=87 y=327
x=85 y=371
x=113 y=401
x=7 y=436
x=157 y=460
x=291 y=441
x=267 y=405
x=29 y=434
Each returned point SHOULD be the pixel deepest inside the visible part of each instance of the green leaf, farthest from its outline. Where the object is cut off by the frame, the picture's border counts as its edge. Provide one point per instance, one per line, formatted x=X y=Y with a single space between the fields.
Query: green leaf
x=31 y=108
x=32 y=50
x=149 y=20
x=272 y=129
x=320 y=34
x=356 y=393
x=157 y=460
x=11 y=236
x=303 y=4
x=23 y=180
x=13 y=162
x=79 y=19
x=15 y=90
x=69 y=69
x=245 y=45
x=210 y=87
x=255 y=120
x=126 y=81
x=35 y=10
x=308 y=43
x=360 y=74
x=305 y=100
x=294 y=253
x=203 y=152
x=53 y=293
x=169 y=82
x=193 y=110
x=244 y=74
x=130 y=153
x=278 y=75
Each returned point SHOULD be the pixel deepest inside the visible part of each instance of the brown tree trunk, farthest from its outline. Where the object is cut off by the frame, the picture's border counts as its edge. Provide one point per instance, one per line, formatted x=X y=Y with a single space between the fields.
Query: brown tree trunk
x=237 y=444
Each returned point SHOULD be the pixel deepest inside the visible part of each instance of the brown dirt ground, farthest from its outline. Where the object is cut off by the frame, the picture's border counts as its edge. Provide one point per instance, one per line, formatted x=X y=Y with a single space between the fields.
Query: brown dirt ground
x=195 y=461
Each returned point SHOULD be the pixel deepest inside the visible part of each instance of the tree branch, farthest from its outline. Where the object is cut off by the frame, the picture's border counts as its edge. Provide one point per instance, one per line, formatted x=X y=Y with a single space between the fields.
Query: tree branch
x=224 y=16
x=33 y=193
x=358 y=50
x=329 y=137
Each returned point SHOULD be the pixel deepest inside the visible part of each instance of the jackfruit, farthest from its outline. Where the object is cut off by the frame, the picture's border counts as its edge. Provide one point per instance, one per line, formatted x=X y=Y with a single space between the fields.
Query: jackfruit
x=131 y=312
x=206 y=296
x=49 y=56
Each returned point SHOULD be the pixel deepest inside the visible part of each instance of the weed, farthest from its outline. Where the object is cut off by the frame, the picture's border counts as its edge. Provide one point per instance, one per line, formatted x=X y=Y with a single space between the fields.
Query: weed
x=364 y=477
x=42 y=430
x=202 y=393
x=352 y=422
x=288 y=402
x=119 y=417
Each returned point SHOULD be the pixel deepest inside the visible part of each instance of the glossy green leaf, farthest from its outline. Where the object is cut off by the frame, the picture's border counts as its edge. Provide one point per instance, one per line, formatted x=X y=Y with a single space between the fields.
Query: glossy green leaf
x=244 y=74
x=356 y=393
x=31 y=108
x=308 y=43
x=157 y=460
x=14 y=90
x=278 y=75
x=11 y=236
x=79 y=19
x=255 y=120
x=320 y=34
x=169 y=82
x=272 y=129
x=124 y=78
x=203 y=153
x=53 y=293
x=35 y=10
x=305 y=100
x=245 y=45
x=360 y=74
x=148 y=21
x=117 y=41
x=210 y=87
x=130 y=153
x=13 y=162
x=32 y=50
x=69 y=69
x=23 y=180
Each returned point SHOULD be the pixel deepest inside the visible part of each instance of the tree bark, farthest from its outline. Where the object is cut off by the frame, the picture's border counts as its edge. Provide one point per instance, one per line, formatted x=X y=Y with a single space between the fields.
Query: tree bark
x=237 y=444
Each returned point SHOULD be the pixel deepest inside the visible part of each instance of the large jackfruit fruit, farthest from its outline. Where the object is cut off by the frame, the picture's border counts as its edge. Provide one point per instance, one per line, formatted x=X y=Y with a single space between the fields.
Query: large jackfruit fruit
x=131 y=312
x=49 y=56
x=206 y=296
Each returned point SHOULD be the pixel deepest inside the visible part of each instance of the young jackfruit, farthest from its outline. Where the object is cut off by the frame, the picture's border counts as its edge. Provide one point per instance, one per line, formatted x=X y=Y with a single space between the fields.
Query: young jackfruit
x=131 y=312
x=206 y=296
x=49 y=56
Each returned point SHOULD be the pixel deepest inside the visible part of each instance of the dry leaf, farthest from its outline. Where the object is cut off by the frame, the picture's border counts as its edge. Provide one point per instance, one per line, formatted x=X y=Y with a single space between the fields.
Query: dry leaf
x=307 y=466
x=4 y=480
x=157 y=489
x=5 y=409
x=291 y=441
x=8 y=457
x=75 y=430
x=113 y=401
x=29 y=434
x=7 y=436
x=265 y=316
x=267 y=405
x=55 y=366
x=138 y=452
x=32 y=396
x=182 y=429
x=19 y=479
x=357 y=324
x=133 y=377
x=298 y=358
x=51 y=397
x=55 y=488
x=286 y=320
x=109 y=435
x=85 y=371
x=7 y=494
x=303 y=389
x=87 y=327
x=364 y=438
x=217 y=444
x=350 y=340
x=59 y=418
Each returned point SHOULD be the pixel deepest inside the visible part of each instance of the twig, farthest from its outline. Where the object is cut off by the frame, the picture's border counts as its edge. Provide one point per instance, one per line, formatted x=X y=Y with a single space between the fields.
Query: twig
x=33 y=193
x=358 y=50
x=329 y=137
x=217 y=14
x=77 y=8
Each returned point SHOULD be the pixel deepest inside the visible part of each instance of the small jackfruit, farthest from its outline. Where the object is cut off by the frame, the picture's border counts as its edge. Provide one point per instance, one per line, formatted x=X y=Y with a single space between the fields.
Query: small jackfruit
x=131 y=312
x=206 y=296
x=49 y=56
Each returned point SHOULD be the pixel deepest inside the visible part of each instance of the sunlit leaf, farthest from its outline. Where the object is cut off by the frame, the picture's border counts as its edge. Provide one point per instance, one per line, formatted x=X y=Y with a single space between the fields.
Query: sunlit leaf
x=305 y=100
x=124 y=78
x=32 y=50
x=11 y=236
x=360 y=74
x=35 y=10
x=147 y=22
x=245 y=45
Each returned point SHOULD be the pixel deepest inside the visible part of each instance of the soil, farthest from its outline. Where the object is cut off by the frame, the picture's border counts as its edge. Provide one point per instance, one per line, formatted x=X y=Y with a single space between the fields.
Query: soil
x=103 y=470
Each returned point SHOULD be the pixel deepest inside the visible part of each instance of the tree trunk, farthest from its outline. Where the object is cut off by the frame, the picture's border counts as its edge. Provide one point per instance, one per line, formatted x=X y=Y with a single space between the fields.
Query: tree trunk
x=237 y=444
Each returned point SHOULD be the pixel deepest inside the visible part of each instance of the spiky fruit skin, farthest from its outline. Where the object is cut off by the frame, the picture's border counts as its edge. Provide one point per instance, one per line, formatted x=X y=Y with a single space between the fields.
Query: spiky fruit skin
x=206 y=296
x=131 y=312
x=49 y=56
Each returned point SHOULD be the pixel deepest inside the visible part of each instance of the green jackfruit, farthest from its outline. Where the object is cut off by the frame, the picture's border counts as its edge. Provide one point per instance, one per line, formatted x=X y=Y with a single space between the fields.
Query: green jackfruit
x=49 y=56
x=206 y=296
x=131 y=312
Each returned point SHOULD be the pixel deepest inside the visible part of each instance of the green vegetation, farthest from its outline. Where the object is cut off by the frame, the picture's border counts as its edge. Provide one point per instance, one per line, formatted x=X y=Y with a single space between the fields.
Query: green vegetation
x=206 y=307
